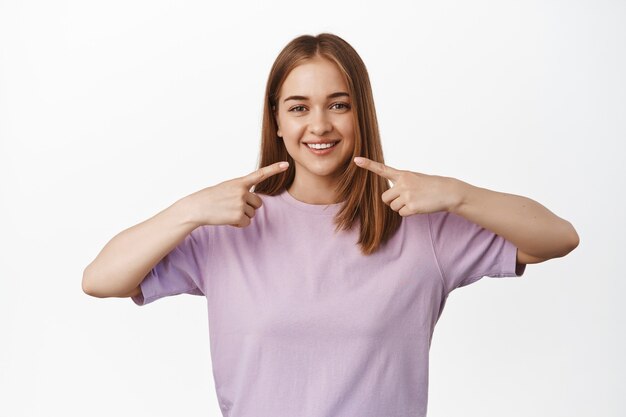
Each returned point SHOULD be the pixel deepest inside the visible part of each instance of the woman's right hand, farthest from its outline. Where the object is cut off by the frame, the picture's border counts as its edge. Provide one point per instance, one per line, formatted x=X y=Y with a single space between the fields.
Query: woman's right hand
x=230 y=202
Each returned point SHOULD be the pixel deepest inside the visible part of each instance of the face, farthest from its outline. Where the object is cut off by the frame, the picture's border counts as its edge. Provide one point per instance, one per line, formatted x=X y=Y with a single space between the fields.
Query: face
x=314 y=106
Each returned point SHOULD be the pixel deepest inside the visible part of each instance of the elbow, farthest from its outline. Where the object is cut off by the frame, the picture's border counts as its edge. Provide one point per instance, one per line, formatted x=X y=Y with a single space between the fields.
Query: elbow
x=87 y=284
x=96 y=285
x=573 y=240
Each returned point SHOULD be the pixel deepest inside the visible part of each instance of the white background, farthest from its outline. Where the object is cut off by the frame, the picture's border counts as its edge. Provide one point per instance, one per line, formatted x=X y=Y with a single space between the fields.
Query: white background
x=111 y=111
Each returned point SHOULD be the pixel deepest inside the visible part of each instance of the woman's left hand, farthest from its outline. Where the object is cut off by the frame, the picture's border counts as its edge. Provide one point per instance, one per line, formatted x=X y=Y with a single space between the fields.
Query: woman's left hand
x=415 y=193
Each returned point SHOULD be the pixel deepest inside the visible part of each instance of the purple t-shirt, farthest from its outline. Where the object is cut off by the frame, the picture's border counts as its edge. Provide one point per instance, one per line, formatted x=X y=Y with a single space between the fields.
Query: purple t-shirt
x=302 y=324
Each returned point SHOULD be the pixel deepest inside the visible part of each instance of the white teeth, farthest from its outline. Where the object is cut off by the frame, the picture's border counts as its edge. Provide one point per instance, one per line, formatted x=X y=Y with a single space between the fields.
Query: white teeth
x=321 y=145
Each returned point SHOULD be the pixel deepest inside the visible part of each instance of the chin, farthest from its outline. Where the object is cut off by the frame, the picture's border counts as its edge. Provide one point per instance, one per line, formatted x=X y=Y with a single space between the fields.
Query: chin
x=327 y=172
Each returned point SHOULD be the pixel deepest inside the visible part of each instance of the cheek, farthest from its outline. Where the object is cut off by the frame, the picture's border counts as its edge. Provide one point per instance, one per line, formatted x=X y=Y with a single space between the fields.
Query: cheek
x=292 y=130
x=347 y=132
x=291 y=138
x=346 y=126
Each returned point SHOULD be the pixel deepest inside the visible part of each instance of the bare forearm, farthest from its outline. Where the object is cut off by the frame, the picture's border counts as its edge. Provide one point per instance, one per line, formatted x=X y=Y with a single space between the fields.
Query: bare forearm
x=128 y=257
x=530 y=226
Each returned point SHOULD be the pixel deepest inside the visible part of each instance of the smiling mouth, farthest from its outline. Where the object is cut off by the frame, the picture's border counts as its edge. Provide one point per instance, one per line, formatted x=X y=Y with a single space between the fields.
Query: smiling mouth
x=322 y=146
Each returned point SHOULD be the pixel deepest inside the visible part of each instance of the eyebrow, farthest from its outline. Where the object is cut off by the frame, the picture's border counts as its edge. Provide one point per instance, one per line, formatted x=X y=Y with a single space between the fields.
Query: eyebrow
x=333 y=95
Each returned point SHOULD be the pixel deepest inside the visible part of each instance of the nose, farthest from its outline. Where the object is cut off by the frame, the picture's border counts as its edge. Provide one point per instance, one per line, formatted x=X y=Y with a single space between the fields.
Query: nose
x=320 y=124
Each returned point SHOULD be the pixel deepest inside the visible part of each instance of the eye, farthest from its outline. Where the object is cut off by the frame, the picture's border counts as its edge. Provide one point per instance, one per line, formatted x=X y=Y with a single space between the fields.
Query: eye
x=345 y=106
x=293 y=109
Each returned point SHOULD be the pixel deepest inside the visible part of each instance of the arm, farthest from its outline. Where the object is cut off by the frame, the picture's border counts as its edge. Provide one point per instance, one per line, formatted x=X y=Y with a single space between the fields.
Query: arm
x=127 y=258
x=538 y=233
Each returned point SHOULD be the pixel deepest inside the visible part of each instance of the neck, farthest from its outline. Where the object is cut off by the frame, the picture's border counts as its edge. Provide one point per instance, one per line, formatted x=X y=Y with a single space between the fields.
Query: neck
x=314 y=190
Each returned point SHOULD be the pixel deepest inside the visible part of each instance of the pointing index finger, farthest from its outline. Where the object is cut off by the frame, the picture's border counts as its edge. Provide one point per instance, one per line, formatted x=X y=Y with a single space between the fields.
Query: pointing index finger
x=377 y=168
x=264 y=172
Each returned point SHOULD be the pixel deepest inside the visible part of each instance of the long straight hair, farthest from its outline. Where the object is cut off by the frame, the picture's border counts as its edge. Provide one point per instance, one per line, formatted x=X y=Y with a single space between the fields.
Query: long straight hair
x=358 y=188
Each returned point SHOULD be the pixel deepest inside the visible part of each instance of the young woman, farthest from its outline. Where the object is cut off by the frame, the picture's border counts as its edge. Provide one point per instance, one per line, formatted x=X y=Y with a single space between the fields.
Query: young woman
x=324 y=283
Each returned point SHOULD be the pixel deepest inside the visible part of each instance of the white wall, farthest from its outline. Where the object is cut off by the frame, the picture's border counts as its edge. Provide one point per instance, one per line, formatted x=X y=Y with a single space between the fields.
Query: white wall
x=111 y=111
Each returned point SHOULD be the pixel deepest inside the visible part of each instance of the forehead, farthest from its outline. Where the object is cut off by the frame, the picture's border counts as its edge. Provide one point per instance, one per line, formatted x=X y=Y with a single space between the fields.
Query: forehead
x=314 y=77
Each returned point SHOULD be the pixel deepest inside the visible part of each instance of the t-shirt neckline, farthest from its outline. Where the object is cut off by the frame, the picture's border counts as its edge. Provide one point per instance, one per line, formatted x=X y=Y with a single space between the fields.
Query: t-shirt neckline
x=319 y=209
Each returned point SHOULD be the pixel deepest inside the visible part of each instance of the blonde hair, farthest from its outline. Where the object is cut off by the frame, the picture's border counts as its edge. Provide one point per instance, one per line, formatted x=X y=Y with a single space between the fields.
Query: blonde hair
x=360 y=189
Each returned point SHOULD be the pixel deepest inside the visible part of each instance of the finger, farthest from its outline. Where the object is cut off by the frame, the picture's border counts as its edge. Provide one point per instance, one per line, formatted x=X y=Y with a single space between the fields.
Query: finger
x=246 y=219
x=378 y=168
x=397 y=204
x=254 y=200
x=245 y=222
x=249 y=210
x=263 y=173
x=390 y=195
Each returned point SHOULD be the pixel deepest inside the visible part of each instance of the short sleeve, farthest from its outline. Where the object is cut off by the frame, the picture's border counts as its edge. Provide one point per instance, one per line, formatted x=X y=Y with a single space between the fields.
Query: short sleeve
x=465 y=252
x=182 y=271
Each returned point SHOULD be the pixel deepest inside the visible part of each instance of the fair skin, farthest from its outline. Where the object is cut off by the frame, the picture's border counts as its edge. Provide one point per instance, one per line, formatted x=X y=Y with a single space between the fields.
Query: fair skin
x=319 y=115
x=123 y=263
x=538 y=233
x=125 y=260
